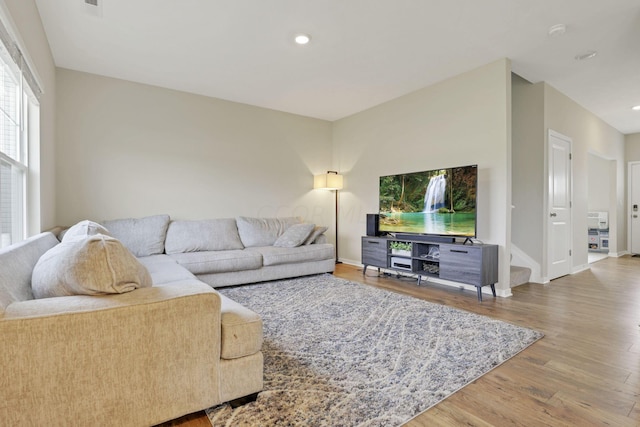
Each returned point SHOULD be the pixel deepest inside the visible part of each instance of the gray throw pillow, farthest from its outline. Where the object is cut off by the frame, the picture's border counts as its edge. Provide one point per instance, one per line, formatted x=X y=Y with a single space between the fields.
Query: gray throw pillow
x=294 y=236
x=83 y=229
x=93 y=265
x=142 y=236
x=202 y=235
x=318 y=231
x=262 y=231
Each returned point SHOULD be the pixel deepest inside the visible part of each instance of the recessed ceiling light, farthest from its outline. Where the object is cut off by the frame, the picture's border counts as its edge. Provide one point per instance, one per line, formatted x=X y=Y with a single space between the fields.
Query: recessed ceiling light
x=302 y=38
x=557 y=30
x=636 y=108
x=586 y=55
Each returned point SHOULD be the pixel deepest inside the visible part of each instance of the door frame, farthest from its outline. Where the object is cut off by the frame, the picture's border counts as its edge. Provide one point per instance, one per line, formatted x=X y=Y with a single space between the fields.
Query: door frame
x=627 y=208
x=550 y=132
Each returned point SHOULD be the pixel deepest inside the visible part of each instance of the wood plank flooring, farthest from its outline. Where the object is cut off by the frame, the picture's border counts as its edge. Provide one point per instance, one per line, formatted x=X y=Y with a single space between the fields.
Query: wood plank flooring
x=584 y=372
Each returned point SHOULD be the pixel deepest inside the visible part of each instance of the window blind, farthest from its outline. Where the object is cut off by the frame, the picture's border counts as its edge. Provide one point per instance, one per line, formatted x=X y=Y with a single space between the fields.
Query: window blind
x=14 y=51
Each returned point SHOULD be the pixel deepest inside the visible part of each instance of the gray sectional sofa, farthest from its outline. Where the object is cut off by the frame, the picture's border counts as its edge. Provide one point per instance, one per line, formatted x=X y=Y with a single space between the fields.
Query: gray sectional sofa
x=130 y=330
x=231 y=251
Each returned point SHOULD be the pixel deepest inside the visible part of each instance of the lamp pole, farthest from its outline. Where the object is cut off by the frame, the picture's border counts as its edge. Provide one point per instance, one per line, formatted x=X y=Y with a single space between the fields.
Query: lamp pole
x=337 y=261
x=332 y=180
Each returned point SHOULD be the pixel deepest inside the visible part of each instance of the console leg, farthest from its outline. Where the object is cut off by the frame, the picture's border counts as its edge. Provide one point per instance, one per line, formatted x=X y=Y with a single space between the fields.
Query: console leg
x=493 y=289
x=364 y=270
x=479 y=288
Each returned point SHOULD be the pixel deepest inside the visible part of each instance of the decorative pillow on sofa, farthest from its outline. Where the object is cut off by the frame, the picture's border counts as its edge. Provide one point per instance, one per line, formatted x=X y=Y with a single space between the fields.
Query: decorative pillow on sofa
x=83 y=229
x=203 y=235
x=262 y=231
x=142 y=236
x=318 y=231
x=294 y=236
x=94 y=265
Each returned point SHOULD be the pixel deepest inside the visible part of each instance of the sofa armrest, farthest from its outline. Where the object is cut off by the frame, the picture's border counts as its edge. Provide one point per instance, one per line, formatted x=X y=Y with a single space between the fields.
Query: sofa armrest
x=138 y=358
x=69 y=305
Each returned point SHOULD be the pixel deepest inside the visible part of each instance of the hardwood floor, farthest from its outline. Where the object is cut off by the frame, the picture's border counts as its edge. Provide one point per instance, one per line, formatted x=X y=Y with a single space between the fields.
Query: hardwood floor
x=585 y=371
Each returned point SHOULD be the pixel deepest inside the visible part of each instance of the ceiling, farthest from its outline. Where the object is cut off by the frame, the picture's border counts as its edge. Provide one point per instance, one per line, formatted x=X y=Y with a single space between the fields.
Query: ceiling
x=362 y=52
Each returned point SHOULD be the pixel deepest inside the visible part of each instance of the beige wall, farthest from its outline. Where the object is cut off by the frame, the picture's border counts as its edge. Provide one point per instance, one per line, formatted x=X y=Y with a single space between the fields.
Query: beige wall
x=127 y=149
x=25 y=20
x=590 y=135
x=632 y=147
x=462 y=120
x=598 y=183
x=538 y=108
x=528 y=179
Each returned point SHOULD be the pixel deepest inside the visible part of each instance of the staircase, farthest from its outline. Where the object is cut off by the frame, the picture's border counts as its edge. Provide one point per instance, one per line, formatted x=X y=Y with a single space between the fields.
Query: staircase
x=519 y=275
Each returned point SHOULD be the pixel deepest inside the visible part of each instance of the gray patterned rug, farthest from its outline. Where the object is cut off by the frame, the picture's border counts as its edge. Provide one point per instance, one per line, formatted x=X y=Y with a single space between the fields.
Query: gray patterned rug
x=339 y=353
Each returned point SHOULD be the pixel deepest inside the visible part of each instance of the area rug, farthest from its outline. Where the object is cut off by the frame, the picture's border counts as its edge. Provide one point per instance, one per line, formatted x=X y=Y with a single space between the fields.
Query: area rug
x=340 y=353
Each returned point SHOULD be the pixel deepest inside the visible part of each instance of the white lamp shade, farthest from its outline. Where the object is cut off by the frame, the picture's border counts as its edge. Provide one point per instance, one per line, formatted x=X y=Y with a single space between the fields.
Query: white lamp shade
x=327 y=181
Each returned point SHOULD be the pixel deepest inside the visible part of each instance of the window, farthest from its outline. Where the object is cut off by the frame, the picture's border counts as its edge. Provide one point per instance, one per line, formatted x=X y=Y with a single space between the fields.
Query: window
x=17 y=100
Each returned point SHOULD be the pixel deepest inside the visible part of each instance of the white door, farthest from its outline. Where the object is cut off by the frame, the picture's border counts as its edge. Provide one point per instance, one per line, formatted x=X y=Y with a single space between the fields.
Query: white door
x=634 y=205
x=559 y=203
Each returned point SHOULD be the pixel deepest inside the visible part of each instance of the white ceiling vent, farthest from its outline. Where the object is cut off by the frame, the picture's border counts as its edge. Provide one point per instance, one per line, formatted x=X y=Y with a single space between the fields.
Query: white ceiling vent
x=93 y=7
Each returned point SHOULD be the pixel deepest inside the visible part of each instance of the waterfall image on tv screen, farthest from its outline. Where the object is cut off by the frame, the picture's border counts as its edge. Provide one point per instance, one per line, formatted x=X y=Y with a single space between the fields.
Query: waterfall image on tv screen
x=441 y=202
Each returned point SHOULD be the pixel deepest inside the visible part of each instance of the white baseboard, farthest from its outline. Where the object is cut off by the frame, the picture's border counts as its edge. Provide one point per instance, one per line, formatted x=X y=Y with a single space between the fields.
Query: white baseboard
x=619 y=254
x=579 y=268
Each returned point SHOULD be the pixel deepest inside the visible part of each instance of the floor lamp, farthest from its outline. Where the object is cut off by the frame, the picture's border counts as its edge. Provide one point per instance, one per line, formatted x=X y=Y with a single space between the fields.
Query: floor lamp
x=331 y=180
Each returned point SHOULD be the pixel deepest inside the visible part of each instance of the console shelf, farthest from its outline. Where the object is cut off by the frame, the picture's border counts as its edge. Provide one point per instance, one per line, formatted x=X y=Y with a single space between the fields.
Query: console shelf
x=475 y=264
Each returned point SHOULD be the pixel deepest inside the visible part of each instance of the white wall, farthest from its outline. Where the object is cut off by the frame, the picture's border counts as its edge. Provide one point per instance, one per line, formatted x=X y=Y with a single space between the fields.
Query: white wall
x=128 y=150
x=460 y=121
x=25 y=20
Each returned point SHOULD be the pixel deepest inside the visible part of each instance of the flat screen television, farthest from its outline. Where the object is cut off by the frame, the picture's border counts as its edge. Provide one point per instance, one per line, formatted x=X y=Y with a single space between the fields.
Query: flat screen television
x=437 y=202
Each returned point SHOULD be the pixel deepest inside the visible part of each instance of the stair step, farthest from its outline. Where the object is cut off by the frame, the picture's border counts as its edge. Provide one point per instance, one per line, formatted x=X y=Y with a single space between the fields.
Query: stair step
x=519 y=275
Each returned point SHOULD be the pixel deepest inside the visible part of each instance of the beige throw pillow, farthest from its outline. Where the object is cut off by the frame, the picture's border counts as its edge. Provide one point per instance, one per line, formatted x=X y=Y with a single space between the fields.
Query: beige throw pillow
x=94 y=265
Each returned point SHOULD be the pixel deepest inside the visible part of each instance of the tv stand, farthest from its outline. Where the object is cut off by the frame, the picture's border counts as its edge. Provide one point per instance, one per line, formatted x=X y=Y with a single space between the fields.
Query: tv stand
x=425 y=238
x=474 y=264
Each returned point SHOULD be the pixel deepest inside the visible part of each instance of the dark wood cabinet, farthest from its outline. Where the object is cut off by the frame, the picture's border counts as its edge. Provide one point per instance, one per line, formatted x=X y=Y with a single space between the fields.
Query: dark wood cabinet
x=374 y=252
x=475 y=264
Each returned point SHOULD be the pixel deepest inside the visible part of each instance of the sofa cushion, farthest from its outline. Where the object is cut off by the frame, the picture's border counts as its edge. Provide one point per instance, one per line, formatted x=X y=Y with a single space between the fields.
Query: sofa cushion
x=241 y=330
x=94 y=265
x=218 y=261
x=272 y=255
x=205 y=235
x=166 y=271
x=262 y=231
x=83 y=229
x=142 y=236
x=294 y=236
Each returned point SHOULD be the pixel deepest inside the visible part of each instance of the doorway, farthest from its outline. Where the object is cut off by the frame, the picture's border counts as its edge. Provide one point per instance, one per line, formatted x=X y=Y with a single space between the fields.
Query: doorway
x=599 y=187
